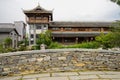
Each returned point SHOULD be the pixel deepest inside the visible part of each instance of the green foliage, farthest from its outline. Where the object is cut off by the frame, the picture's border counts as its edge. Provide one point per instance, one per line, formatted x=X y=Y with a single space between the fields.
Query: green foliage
x=111 y=39
x=20 y=42
x=8 y=42
x=55 y=45
x=22 y=45
x=35 y=47
x=24 y=42
x=22 y=48
x=1 y=49
x=116 y=1
x=5 y=50
x=92 y=44
x=105 y=40
x=115 y=29
x=21 y=79
x=44 y=38
x=10 y=50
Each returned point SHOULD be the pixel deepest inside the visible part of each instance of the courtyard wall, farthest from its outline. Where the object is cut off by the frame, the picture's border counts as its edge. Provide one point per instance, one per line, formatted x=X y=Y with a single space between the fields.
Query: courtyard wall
x=58 y=60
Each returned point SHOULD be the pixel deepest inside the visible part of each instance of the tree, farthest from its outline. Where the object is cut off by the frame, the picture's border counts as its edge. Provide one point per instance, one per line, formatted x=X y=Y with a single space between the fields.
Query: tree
x=44 y=38
x=116 y=1
x=105 y=40
x=112 y=39
x=115 y=29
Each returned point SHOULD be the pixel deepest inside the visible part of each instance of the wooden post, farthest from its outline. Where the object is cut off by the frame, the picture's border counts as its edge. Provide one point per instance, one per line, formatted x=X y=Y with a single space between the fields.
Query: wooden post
x=34 y=34
x=62 y=40
x=30 y=35
x=76 y=40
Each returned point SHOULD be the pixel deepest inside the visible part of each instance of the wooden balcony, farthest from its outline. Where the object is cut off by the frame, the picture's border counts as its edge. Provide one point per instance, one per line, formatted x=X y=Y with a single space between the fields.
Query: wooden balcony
x=57 y=29
x=38 y=21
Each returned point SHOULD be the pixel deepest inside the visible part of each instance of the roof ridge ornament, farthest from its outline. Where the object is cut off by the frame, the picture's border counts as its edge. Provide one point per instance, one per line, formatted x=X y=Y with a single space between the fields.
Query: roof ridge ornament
x=37 y=9
x=38 y=4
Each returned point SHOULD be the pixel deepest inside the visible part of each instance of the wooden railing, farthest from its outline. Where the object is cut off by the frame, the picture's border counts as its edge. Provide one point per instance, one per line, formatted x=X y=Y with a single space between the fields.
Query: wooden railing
x=76 y=30
x=37 y=21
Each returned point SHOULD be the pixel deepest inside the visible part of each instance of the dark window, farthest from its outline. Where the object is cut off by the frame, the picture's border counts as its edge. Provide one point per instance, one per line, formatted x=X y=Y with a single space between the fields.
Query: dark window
x=32 y=42
x=55 y=29
x=38 y=18
x=68 y=29
x=38 y=27
x=31 y=35
x=95 y=29
x=11 y=33
x=32 y=18
x=32 y=27
x=81 y=29
x=106 y=29
x=37 y=35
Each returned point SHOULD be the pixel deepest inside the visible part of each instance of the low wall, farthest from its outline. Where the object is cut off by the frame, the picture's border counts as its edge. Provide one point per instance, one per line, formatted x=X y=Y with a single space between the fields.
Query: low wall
x=58 y=60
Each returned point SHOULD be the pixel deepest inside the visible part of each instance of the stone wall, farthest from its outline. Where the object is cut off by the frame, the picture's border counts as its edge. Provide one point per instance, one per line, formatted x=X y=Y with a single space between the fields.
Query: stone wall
x=58 y=60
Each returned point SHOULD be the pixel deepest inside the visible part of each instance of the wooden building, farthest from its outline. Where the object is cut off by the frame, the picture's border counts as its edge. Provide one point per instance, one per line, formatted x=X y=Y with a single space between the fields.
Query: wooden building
x=40 y=20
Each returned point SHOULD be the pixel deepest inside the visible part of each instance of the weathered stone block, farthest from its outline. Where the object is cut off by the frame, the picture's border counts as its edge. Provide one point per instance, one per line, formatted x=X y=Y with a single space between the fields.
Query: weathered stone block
x=6 y=69
x=66 y=52
x=61 y=58
x=56 y=69
x=47 y=58
x=4 y=73
x=43 y=55
x=39 y=59
x=80 y=64
x=32 y=59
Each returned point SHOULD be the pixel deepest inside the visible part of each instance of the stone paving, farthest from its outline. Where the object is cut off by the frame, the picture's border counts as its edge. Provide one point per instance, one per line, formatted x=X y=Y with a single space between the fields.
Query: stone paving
x=87 y=75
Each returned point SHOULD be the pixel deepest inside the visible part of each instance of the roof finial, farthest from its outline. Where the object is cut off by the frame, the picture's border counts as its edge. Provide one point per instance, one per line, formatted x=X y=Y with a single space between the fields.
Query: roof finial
x=38 y=4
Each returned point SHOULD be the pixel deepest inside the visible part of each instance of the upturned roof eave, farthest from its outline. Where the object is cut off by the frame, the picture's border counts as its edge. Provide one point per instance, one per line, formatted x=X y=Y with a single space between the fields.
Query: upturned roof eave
x=28 y=12
x=38 y=9
x=80 y=24
x=74 y=26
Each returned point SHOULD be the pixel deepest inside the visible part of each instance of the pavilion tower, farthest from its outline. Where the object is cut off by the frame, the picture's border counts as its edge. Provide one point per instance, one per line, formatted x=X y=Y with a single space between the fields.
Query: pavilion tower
x=38 y=20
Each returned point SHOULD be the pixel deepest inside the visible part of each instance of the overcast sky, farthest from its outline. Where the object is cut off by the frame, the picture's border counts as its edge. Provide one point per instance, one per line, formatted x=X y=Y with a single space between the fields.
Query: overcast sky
x=63 y=10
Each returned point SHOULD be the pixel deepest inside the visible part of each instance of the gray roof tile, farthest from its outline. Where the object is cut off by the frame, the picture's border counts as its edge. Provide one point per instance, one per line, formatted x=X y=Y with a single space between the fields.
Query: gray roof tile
x=80 y=24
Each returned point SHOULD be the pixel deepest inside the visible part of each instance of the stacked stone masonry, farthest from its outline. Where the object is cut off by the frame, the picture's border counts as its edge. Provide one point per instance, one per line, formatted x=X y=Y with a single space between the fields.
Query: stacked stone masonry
x=58 y=60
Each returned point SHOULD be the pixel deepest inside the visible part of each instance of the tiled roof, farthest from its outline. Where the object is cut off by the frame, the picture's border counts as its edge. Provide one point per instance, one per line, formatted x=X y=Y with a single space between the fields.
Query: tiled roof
x=6 y=30
x=76 y=34
x=80 y=24
x=7 y=25
x=37 y=9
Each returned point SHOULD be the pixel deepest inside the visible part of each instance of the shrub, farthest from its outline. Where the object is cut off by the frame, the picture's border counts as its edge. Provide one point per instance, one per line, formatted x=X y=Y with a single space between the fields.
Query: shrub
x=89 y=45
x=10 y=50
x=54 y=45
x=8 y=42
x=22 y=48
x=1 y=49
x=44 y=38
x=84 y=45
x=36 y=47
x=106 y=40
